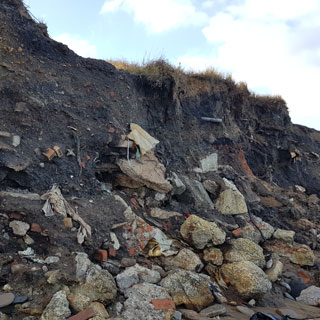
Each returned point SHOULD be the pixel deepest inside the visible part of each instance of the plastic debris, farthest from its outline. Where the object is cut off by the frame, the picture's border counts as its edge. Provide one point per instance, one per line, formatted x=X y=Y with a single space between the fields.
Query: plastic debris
x=56 y=201
x=216 y=120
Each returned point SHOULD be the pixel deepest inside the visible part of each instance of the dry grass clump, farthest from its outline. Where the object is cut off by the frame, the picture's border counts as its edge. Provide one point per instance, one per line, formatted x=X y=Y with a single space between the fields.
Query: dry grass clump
x=161 y=74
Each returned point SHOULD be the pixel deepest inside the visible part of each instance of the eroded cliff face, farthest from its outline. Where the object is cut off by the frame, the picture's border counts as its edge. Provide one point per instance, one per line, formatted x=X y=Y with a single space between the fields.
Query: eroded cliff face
x=50 y=98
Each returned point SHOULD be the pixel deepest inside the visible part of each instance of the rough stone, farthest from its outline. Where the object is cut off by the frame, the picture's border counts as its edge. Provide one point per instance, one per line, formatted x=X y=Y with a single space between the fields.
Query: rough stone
x=297 y=253
x=99 y=285
x=213 y=255
x=200 y=232
x=147 y=170
x=245 y=250
x=284 y=235
x=189 y=288
x=213 y=311
x=209 y=163
x=249 y=231
x=6 y=299
x=185 y=259
x=275 y=272
x=58 y=307
x=244 y=310
x=82 y=264
x=192 y=315
x=163 y=214
x=139 y=303
x=310 y=296
x=248 y=279
x=128 y=262
x=136 y=274
x=19 y=228
x=231 y=202
x=211 y=186
x=198 y=194
x=178 y=187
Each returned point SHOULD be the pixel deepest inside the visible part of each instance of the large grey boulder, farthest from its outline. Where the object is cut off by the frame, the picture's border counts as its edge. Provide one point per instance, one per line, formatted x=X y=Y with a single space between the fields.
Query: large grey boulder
x=149 y=302
x=198 y=194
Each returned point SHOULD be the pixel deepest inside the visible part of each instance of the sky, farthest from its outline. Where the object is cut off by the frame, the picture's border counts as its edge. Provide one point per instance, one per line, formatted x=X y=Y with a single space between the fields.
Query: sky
x=272 y=45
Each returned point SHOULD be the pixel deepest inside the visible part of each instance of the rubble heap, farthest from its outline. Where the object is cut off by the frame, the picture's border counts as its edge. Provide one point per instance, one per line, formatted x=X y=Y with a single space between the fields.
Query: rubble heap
x=120 y=200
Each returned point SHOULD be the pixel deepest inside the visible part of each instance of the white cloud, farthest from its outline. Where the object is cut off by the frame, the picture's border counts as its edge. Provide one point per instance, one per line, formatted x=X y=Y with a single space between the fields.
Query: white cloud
x=269 y=44
x=159 y=16
x=80 y=46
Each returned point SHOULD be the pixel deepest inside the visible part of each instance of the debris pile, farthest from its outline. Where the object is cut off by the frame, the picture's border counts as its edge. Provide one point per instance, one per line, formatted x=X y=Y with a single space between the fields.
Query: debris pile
x=161 y=218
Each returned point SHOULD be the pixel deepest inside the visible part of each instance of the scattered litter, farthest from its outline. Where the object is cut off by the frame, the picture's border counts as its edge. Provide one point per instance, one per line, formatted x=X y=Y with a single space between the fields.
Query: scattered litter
x=58 y=151
x=70 y=153
x=50 y=154
x=29 y=252
x=142 y=138
x=56 y=202
x=115 y=240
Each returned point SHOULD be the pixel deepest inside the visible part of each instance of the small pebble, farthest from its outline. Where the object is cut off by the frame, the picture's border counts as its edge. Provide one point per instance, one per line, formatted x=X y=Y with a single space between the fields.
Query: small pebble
x=20 y=299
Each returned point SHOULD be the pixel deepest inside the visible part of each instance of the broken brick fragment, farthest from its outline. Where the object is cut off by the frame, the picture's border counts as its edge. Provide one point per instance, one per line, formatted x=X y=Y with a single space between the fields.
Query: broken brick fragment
x=163 y=304
x=237 y=232
x=67 y=222
x=35 y=228
x=101 y=255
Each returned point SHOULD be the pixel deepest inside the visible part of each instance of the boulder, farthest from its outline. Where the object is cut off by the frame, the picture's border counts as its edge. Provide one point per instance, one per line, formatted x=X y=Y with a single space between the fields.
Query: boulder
x=297 y=253
x=198 y=194
x=149 y=302
x=245 y=250
x=231 y=202
x=148 y=171
x=248 y=279
x=99 y=285
x=136 y=274
x=200 y=232
x=284 y=235
x=213 y=255
x=310 y=296
x=185 y=259
x=58 y=307
x=249 y=231
x=189 y=288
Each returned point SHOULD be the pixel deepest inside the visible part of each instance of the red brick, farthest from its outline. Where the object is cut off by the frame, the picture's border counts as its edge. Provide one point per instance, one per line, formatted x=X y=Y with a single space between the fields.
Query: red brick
x=305 y=277
x=132 y=251
x=237 y=232
x=15 y=216
x=35 y=227
x=83 y=315
x=163 y=304
x=101 y=255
